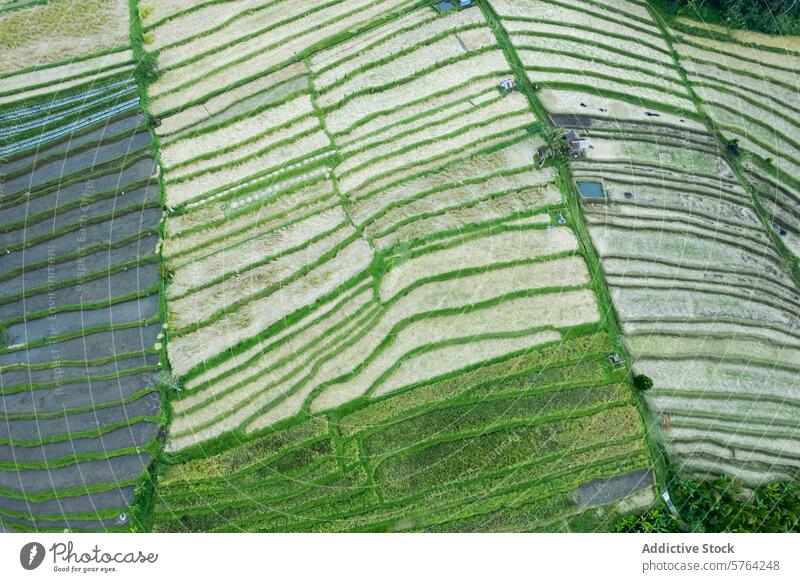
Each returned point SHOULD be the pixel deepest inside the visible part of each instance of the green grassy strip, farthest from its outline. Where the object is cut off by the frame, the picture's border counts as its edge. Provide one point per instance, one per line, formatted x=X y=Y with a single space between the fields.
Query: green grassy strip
x=80 y=225
x=92 y=378
x=99 y=514
x=144 y=487
x=65 y=307
x=65 y=492
x=66 y=411
x=63 y=207
x=71 y=459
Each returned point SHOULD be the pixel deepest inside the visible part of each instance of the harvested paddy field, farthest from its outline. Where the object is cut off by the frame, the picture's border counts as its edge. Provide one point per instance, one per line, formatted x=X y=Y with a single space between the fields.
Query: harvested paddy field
x=80 y=360
x=694 y=239
x=368 y=272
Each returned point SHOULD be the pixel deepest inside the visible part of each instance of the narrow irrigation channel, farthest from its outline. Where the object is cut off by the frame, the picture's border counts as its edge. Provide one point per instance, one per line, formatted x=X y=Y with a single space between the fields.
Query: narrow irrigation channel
x=568 y=188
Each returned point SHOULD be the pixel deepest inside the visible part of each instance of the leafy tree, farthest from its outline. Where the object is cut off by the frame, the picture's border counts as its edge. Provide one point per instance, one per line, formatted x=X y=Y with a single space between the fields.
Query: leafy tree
x=147 y=67
x=769 y=16
x=555 y=142
x=657 y=520
x=722 y=505
x=642 y=382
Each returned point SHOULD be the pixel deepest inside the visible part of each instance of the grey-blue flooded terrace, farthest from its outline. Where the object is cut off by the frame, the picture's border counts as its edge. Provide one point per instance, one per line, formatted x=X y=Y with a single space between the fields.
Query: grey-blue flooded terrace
x=79 y=313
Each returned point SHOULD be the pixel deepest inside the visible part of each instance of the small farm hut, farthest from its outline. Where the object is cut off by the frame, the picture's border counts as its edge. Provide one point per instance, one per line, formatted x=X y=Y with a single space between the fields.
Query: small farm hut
x=577 y=144
x=507 y=85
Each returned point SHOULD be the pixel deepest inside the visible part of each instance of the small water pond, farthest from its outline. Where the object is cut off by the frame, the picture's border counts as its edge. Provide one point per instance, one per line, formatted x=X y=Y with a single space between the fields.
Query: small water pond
x=591 y=189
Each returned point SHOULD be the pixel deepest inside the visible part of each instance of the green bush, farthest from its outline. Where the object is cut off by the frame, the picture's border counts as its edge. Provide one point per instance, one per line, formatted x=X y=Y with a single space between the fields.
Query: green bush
x=722 y=506
x=768 y=16
x=642 y=382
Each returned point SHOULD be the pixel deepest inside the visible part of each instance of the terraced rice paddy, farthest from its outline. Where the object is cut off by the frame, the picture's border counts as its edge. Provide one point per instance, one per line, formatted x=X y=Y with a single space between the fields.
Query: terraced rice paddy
x=269 y=265
x=698 y=277
x=354 y=274
x=749 y=91
x=80 y=363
